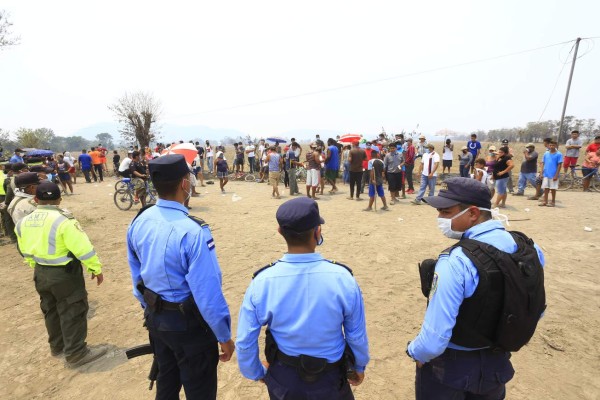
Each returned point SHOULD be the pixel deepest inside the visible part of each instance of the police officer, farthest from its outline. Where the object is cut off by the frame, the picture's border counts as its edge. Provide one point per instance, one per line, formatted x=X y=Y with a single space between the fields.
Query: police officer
x=23 y=202
x=54 y=244
x=177 y=279
x=304 y=300
x=446 y=370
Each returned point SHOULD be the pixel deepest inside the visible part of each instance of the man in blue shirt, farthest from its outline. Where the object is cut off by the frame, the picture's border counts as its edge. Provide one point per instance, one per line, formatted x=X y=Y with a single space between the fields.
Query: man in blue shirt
x=177 y=280
x=332 y=164
x=17 y=157
x=474 y=148
x=305 y=301
x=85 y=163
x=446 y=370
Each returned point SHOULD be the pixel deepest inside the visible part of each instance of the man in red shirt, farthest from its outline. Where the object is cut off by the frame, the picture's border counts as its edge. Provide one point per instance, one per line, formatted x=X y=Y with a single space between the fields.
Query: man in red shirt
x=102 y=151
x=593 y=147
x=409 y=164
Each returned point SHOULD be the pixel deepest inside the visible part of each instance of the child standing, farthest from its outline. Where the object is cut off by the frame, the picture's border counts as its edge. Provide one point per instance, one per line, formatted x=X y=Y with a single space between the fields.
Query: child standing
x=375 y=168
x=551 y=164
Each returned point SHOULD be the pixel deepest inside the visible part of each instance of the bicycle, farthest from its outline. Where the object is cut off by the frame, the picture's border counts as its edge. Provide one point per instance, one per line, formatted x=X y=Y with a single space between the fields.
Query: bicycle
x=574 y=181
x=124 y=196
x=238 y=176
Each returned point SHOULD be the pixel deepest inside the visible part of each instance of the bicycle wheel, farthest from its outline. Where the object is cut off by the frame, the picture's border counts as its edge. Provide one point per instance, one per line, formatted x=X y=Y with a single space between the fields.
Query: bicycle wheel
x=566 y=183
x=250 y=178
x=123 y=199
x=232 y=176
x=595 y=182
x=120 y=184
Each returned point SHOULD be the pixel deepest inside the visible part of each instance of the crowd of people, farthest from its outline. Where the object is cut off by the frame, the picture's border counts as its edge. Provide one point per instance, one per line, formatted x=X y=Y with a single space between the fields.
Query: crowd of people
x=308 y=353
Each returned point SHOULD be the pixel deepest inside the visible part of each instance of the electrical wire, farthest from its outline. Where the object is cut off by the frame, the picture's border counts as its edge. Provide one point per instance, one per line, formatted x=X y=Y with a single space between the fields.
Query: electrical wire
x=564 y=64
x=371 y=82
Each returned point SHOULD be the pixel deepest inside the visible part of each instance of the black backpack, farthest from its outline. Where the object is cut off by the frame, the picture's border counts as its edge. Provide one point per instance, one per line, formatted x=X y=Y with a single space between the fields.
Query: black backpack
x=524 y=298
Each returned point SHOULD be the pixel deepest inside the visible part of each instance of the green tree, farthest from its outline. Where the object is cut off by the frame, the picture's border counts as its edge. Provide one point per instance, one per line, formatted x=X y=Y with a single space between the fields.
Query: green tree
x=138 y=113
x=106 y=139
x=37 y=138
x=77 y=143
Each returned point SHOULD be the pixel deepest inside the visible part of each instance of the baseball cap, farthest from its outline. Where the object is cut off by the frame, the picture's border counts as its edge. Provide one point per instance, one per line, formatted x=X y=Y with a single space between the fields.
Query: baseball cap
x=464 y=148
x=430 y=146
x=26 y=179
x=47 y=191
x=504 y=141
x=530 y=145
x=299 y=215
x=461 y=191
x=492 y=148
x=422 y=137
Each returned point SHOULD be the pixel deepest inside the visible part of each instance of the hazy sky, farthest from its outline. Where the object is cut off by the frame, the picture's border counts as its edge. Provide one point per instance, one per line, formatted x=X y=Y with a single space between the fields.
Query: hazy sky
x=76 y=57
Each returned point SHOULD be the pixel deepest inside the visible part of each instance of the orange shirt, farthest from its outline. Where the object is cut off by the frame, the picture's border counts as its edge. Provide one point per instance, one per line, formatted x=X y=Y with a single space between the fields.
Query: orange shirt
x=95 y=157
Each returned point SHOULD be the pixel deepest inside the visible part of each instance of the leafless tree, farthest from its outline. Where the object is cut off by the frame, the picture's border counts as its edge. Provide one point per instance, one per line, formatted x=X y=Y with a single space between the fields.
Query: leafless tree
x=138 y=112
x=6 y=37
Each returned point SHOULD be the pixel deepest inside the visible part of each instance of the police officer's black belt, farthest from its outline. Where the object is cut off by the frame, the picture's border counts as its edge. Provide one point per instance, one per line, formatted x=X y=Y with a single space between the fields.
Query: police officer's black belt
x=297 y=362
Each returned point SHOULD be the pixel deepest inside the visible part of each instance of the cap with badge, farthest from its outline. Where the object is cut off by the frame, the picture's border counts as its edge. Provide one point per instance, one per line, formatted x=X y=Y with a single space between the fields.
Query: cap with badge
x=504 y=141
x=26 y=179
x=47 y=191
x=170 y=167
x=299 y=215
x=461 y=191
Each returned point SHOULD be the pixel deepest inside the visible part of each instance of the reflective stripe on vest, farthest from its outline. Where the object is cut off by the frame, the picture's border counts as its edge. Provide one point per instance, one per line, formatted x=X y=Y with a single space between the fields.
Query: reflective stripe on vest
x=52 y=235
x=2 y=177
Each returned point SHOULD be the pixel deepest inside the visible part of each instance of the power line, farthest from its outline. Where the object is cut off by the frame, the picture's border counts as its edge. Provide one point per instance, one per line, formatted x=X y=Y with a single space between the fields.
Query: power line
x=556 y=83
x=427 y=71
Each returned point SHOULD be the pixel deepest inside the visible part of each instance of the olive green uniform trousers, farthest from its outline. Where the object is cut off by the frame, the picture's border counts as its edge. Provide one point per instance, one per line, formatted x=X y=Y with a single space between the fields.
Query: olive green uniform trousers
x=63 y=300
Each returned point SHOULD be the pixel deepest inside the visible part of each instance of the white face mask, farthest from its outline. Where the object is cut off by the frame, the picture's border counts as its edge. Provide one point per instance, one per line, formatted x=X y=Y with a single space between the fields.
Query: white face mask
x=445 y=225
x=496 y=215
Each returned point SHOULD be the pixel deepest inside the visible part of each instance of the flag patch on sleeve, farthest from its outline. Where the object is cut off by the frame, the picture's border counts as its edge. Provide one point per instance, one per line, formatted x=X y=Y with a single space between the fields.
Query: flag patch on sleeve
x=211 y=244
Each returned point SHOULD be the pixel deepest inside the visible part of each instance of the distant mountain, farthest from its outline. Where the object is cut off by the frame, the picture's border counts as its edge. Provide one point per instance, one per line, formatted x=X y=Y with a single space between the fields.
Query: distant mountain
x=172 y=132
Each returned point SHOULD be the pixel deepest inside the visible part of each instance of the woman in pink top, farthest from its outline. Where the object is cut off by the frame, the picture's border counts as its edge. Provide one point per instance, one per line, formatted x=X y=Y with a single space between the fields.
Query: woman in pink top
x=592 y=160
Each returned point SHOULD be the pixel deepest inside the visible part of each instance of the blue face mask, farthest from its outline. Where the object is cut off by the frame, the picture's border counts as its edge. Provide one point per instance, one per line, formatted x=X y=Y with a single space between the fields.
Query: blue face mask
x=426 y=150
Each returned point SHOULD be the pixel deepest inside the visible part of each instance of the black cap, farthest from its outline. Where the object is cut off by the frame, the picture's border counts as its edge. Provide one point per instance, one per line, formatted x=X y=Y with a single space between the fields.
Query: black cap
x=37 y=168
x=18 y=166
x=461 y=191
x=504 y=140
x=299 y=215
x=170 y=167
x=47 y=191
x=26 y=179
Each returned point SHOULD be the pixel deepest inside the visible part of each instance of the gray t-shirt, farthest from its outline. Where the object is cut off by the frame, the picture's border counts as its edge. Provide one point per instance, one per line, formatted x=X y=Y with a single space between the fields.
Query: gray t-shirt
x=530 y=166
x=573 y=152
x=466 y=159
x=392 y=162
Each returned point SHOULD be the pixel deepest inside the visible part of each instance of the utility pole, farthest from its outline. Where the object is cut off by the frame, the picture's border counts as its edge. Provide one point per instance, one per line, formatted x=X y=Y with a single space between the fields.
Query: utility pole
x=561 y=137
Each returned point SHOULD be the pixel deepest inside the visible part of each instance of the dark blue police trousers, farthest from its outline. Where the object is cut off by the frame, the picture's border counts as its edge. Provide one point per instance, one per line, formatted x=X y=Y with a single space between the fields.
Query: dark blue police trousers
x=187 y=354
x=284 y=383
x=456 y=374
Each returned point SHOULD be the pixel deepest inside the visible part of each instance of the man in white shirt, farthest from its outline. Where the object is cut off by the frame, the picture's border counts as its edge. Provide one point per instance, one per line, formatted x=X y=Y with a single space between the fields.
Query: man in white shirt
x=251 y=156
x=573 y=146
x=429 y=165
x=124 y=166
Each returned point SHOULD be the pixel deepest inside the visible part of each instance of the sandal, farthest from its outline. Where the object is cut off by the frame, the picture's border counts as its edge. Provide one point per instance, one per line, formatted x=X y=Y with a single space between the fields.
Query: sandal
x=550 y=205
x=543 y=204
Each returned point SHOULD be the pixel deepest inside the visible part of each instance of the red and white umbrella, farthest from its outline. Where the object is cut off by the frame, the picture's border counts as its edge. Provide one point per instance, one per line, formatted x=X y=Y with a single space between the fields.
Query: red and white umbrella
x=350 y=137
x=188 y=150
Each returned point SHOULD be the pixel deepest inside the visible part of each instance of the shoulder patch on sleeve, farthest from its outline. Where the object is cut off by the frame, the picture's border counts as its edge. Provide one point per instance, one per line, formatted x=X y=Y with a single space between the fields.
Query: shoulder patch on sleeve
x=211 y=244
x=254 y=275
x=341 y=265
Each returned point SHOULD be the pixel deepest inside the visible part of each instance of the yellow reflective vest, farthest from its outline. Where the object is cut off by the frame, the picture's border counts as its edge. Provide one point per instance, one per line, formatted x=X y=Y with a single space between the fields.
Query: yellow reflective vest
x=2 y=178
x=49 y=234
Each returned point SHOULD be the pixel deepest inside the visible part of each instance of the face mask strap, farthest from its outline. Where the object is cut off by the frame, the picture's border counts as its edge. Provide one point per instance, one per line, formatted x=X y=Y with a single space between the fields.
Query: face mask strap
x=496 y=215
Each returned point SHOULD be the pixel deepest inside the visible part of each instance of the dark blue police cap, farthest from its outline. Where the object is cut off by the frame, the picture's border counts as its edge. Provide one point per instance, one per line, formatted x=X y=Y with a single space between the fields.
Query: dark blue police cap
x=26 y=179
x=47 y=191
x=461 y=190
x=170 y=167
x=299 y=215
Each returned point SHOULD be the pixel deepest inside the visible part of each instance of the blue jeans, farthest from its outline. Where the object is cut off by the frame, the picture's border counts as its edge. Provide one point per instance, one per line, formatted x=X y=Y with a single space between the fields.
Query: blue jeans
x=524 y=178
x=209 y=160
x=425 y=182
x=346 y=174
x=464 y=170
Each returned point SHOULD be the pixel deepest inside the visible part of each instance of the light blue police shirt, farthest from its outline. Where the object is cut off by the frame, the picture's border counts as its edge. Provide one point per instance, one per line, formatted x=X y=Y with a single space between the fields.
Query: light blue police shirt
x=176 y=257
x=457 y=280
x=305 y=301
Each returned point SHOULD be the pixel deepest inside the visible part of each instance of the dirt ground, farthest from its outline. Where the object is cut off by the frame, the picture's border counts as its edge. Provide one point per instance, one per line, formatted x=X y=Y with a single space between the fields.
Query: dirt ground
x=383 y=248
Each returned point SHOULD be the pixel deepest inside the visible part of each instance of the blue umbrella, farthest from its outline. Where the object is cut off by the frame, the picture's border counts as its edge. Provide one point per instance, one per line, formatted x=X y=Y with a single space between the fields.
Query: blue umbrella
x=277 y=139
x=39 y=153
